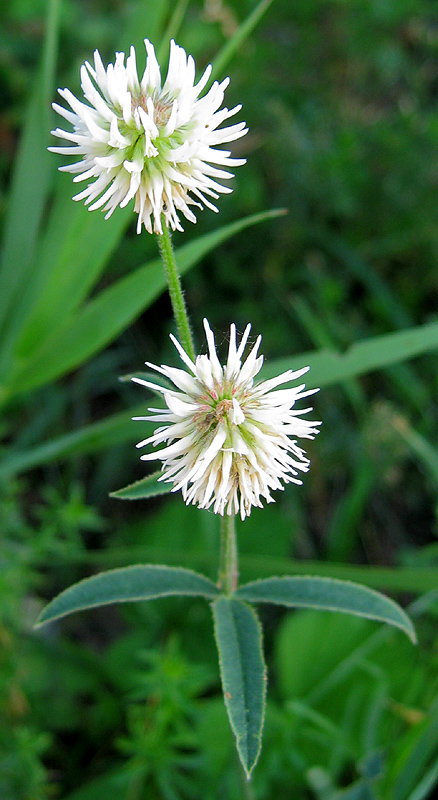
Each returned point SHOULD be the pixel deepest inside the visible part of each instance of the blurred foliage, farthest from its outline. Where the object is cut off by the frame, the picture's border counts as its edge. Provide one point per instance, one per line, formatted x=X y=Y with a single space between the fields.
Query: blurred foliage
x=341 y=102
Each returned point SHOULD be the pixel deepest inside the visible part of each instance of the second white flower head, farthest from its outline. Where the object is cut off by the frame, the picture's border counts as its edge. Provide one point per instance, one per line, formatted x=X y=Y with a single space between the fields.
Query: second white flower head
x=227 y=439
x=140 y=140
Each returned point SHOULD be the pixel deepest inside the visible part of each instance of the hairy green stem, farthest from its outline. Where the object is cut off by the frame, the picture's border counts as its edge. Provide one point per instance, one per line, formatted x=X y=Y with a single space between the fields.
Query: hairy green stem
x=175 y=290
x=228 y=564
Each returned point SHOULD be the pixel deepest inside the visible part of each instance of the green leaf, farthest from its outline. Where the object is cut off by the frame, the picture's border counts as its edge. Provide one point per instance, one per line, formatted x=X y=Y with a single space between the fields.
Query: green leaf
x=68 y=264
x=146 y=18
x=352 y=260
x=172 y=29
x=413 y=755
x=128 y=584
x=426 y=784
x=146 y=487
x=305 y=591
x=328 y=366
x=114 y=430
x=77 y=244
x=321 y=782
x=424 y=450
x=235 y=42
x=106 y=316
x=29 y=191
x=243 y=673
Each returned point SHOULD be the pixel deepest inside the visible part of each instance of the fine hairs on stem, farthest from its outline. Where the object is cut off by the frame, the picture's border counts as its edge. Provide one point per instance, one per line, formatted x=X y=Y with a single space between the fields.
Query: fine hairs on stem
x=228 y=565
x=175 y=291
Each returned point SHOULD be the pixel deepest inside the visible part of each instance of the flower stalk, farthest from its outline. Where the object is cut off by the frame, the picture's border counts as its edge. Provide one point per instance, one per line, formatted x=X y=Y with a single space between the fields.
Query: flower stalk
x=175 y=290
x=228 y=563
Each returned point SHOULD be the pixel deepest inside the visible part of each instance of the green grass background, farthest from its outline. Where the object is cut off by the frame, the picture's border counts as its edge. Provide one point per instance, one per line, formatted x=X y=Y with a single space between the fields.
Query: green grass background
x=341 y=100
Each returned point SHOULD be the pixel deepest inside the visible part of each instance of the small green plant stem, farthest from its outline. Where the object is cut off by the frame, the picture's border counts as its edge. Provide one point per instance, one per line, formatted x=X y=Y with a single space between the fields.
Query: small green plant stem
x=175 y=290
x=228 y=565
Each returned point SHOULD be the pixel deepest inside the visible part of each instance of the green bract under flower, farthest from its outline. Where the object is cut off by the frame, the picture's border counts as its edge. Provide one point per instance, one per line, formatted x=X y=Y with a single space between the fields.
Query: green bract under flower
x=140 y=140
x=227 y=438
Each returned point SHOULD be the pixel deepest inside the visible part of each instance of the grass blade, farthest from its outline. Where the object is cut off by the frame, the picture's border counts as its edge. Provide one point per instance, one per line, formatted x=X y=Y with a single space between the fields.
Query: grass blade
x=416 y=580
x=414 y=759
x=172 y=29
x=328 y=366
x=106 y=316
x=68 y=265
x=113 y=430
x=31 y=183
x=77 y=243
x=235 y=42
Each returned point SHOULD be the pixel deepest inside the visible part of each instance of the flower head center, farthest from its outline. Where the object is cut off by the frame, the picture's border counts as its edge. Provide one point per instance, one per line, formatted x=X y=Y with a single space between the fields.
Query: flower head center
x=161 y=109
x=162 y=113
x=223 y=409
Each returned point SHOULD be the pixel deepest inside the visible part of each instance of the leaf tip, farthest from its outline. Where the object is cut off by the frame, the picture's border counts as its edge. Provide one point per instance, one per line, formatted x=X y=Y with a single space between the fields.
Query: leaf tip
x=412 y=633
x=249 y=768
x=41 y=620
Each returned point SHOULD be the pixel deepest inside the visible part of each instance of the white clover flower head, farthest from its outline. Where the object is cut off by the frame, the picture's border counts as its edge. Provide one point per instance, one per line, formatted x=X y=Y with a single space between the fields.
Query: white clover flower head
x=138 y=139
x=228 y=439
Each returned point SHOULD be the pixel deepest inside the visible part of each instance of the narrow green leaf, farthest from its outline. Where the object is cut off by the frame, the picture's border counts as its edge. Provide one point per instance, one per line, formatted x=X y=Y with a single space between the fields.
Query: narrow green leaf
x=128 y=584
x=145 y=19
x=390 y=308
x=30 y=187
x=243 y=673
x=235 y=42
x=417 y=580
x=328 y=366
x=113 y=430
x=426 y=784
x=318 y=330
x=344 y=527
x=353 y=261
x=193 y=251
x=321 y=783
x=73 y=253
x=172 y=29
x=146 y=487
x=424 y=450
x=30 y=178
x=305 y=591
x=415 y=752
x=107 y=315
x=77 y=243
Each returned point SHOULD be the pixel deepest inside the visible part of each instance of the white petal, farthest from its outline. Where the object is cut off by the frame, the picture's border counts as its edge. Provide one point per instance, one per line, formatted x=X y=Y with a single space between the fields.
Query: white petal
x=238 y=416
x=214 y=361
x=179 y=407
